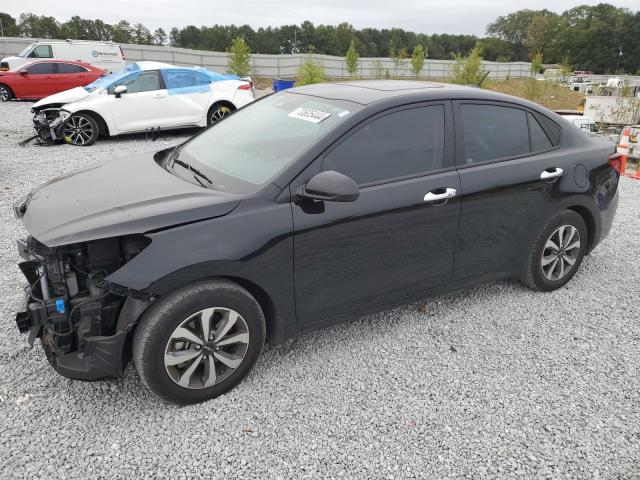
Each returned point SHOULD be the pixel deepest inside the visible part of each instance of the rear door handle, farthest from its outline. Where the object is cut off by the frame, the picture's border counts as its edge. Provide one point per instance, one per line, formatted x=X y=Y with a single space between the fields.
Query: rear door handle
x=551 y=173
x=440 y=195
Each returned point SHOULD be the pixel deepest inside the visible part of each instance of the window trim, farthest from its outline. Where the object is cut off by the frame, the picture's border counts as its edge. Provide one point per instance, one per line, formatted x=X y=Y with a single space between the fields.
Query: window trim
x=449 y=141
x=460 y=149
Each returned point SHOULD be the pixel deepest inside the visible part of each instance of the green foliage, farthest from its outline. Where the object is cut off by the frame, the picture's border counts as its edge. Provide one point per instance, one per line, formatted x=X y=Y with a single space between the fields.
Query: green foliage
x=417 y=59
x=468 y=70
x=239 y=57
x=352 y=59
x=310 y=72
x=589 y=35
x=536 y=64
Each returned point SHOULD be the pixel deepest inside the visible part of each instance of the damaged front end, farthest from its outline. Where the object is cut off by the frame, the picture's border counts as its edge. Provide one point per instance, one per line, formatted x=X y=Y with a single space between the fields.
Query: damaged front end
x=82 y=319
x=49 y=123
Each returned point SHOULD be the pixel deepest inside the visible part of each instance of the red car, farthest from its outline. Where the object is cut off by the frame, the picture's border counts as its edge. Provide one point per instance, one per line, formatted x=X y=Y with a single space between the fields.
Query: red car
x=44 y=78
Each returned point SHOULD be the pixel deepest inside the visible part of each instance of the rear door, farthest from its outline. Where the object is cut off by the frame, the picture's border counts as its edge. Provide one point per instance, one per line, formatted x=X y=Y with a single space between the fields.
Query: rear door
x=70 y=75
x=503 y=151
x=145 y=105
x=188 y=95
x=392 y=241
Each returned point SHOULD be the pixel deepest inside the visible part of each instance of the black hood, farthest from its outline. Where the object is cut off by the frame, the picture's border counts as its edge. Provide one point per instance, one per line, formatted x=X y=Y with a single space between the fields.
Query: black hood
x=119 y=197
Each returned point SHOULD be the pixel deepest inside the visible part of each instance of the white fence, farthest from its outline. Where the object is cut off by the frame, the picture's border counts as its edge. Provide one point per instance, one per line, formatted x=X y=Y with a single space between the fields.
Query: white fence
x=286 y=66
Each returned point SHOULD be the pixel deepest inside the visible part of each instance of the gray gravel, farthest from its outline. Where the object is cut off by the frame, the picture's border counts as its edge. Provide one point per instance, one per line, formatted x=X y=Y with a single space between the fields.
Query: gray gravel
x=493 y=381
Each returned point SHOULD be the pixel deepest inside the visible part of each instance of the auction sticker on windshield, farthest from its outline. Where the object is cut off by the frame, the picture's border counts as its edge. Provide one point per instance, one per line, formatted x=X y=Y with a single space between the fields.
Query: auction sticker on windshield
x=309 y=114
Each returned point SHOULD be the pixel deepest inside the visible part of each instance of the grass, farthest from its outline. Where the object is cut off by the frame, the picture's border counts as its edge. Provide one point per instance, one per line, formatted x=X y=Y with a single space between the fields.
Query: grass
x=550 y=95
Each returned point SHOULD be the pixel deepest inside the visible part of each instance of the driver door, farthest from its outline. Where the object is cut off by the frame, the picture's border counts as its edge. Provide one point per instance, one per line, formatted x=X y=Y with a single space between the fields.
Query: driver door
x=144 y=105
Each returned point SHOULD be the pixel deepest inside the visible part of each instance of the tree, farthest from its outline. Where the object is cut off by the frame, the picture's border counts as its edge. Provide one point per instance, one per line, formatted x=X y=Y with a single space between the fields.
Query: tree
x=240 y=57
x=122 y=32
x=310 y=72
x=468 y=70
x=160 y=37
x=352 y=59
x=417 y=59
x=9 y=26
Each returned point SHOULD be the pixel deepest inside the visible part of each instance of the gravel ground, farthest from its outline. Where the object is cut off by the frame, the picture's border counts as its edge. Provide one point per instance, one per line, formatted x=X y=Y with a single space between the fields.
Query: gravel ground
x=494 y=381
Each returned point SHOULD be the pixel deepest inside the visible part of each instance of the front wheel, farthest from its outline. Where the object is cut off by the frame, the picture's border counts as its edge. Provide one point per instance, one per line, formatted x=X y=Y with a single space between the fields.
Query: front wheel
x=557 y=253
x=80 y=129
x=199 y=342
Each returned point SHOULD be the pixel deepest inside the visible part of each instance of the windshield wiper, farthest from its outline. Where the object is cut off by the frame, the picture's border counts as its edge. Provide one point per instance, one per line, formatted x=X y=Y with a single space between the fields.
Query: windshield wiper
x=193 y=170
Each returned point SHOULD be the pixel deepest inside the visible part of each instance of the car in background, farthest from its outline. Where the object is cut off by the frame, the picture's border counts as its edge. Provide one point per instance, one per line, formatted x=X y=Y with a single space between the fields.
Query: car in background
x=105 y=55
x=583 y=123
x=313 y=205
x=37 y=80
x=144 y=96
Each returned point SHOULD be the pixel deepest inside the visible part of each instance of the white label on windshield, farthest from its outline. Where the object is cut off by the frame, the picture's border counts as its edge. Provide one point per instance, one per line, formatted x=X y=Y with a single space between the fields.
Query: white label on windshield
x=309 y=114
x=342 y=114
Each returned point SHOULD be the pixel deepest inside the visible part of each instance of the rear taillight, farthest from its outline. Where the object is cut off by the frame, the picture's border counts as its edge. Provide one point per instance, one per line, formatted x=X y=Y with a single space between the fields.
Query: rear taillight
x=615 y=161
x=245 y=86
x=122 y=53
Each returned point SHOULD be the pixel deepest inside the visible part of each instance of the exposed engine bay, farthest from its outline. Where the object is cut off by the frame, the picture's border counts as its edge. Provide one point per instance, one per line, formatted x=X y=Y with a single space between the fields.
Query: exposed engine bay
x=49 y=123
x=70 y=305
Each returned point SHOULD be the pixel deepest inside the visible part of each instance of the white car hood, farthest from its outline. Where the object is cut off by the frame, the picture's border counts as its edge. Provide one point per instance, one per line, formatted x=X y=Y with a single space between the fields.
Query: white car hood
x=68 y=96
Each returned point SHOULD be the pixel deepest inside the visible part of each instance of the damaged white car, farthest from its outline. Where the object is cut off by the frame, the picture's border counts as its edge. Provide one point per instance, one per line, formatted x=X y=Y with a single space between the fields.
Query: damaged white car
x=143 y=97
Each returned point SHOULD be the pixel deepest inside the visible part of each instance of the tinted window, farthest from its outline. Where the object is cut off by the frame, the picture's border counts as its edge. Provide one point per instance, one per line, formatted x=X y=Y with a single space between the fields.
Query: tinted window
x=70 y=68
x=491 y=132
x=184 y=78
x=143 y=82
x=40 y=68
x=550 y=127
x=539 y=139
x=41 y=51
x=399 y=144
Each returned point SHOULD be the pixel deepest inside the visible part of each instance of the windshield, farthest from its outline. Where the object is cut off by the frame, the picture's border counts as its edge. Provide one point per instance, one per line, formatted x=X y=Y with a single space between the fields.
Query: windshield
x=251 y=146
x=26 y=51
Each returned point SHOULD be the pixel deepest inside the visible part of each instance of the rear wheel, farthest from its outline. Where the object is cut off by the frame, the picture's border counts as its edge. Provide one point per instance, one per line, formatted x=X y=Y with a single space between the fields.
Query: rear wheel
x=199 y=342
x=557 y=253
x=5 y=93
x=81 y=129
x=217 y=112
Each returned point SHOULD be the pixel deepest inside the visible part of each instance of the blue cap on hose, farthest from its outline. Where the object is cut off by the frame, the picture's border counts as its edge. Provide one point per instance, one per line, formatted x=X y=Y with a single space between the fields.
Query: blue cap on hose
x=60 y=305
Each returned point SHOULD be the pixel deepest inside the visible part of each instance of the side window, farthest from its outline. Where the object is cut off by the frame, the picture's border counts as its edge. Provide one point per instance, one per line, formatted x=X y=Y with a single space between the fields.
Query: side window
x=491 y=132
x=551 y=128
x=70 y=68
x=43 y=68
x=539 y=139
x=184 y=78
x=402 y=143
x=144 y=82
x=41 y=51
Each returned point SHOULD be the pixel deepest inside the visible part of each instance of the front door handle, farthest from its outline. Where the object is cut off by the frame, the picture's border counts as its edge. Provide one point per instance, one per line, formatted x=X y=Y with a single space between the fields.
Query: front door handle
x=439 y=195
x=551 y=173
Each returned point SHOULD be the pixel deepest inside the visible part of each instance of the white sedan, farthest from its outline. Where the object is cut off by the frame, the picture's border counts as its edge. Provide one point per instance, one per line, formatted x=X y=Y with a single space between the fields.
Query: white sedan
x=143 y=97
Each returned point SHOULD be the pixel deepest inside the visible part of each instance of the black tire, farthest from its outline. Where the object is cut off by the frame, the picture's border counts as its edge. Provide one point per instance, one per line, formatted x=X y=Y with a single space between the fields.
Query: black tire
x=6 y=93
x=534 y=276
x=154 y=332
x=81 y=130
x=218 y=111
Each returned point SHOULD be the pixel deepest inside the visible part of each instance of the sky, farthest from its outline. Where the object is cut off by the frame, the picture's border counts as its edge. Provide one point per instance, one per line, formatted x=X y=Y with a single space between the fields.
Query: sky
x=420 y=16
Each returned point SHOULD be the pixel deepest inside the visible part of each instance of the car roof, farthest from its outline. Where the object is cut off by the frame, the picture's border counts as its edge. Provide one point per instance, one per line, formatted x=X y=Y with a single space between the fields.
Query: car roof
x=369 y=91
x=149 y=65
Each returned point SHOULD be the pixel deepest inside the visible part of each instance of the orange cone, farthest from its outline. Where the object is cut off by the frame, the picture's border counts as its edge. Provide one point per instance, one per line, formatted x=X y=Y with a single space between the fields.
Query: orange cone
x=623 y=149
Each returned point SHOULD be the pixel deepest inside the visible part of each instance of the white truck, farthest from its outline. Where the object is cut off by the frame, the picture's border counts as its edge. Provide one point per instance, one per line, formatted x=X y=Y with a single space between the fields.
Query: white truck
x=105 y=55
x=618 y=103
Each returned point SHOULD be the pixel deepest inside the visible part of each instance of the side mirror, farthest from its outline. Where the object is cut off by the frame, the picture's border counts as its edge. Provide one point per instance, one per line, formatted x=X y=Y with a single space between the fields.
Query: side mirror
x=119 y=90
x=24 y=73
x=331 y=186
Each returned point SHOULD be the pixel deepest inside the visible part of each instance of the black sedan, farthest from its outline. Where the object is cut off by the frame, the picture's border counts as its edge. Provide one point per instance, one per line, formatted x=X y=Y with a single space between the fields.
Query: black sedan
x=308 y=207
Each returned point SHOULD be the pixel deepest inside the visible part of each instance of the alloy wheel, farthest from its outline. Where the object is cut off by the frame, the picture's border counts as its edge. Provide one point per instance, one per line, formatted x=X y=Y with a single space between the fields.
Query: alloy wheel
x=78 y=130
x=219 y=113
x=560 y=252
x=206 y=348
x=5 y=96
